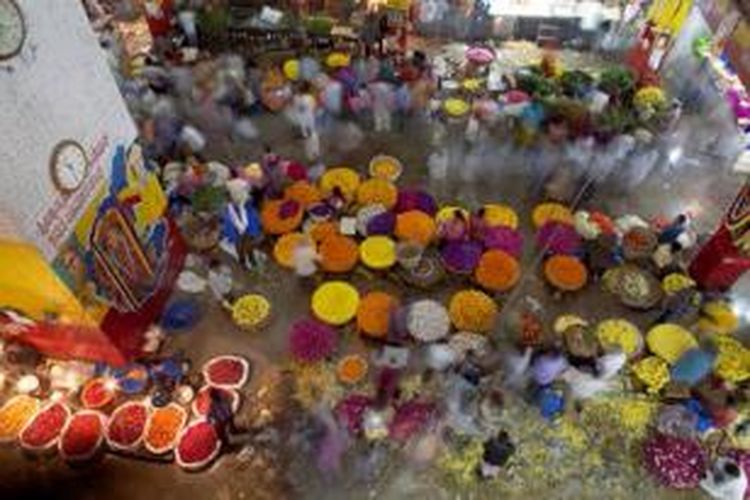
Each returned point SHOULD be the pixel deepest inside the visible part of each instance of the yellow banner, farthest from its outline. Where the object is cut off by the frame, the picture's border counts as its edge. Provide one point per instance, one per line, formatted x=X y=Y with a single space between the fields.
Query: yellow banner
x=738 y=220
x=741 y=35
x=669 y=15
x=398 y=4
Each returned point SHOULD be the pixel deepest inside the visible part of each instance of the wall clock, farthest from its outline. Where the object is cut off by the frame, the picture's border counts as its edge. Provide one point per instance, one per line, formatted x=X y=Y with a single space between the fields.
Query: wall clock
x=12 y=29
x=69 y=165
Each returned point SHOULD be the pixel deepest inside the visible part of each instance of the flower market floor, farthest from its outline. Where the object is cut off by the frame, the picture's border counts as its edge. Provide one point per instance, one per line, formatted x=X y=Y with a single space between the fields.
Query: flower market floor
x=590 y=454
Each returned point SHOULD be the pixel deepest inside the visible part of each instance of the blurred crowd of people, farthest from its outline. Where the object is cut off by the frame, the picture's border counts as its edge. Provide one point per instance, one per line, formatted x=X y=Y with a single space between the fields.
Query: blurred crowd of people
x=184 y=97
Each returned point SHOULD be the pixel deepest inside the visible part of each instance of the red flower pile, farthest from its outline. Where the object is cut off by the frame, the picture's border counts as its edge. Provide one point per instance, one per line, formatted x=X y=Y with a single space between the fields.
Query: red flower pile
x=82 y=436
x=199 y=444
x=95 y=394
x=44 y=429
x=411 y=418
x=126 y=425
x=350 y=411
x=226 y=371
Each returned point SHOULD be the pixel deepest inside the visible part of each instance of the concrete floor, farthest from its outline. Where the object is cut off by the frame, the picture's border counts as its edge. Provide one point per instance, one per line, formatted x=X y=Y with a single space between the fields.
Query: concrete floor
x=705 y=187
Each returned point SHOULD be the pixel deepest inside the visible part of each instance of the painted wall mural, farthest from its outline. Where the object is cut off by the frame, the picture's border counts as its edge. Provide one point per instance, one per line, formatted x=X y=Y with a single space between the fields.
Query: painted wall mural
x=738 y=220
x=116 y=255
x=89 y=213
x=725 y=257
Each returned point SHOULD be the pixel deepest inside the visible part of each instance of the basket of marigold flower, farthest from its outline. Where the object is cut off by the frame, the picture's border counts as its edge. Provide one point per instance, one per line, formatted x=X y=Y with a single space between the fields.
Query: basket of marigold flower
x=377 y=191
x=303 y=192
x=378 y=252
x=335 y=302
x=338 y=254
x=281 y=216
x=251 y=312
x=346 y=179
x=565 y=273
x=374 y=314
x=551 y=212
x=283 y=249
x=496 y=214
x=319 y=231
x=472 y=311
x=385 y=167
x=498 y=271
x=351 y=369
x=415 y=226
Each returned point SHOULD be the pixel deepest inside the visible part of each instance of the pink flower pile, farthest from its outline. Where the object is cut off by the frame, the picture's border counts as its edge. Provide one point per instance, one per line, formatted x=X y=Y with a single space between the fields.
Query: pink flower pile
x=311 y=341
x=675 y=462
x=351 y=411
x=411 y=418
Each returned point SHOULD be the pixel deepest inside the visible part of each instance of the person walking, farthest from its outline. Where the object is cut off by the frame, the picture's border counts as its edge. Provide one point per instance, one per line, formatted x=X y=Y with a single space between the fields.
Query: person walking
x=220 y=414
x=241 y=223
x=303 y=110
x=382 y=105
x=312 y=146
x=403 y=105
x=305 y=258
x=187 y=19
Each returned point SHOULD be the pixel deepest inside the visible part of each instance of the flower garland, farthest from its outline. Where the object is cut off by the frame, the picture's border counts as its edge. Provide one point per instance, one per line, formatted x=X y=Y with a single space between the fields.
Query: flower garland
x=461 y=257
x=315 y=384
x=415 y=199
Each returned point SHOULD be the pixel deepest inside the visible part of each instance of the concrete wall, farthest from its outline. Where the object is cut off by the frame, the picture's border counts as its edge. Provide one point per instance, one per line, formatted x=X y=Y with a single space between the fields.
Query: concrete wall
x=59 y=87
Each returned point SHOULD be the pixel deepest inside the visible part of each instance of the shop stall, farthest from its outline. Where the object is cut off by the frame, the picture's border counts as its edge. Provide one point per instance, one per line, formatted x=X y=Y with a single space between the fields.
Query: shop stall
x=552 y=22
x=97 y=256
